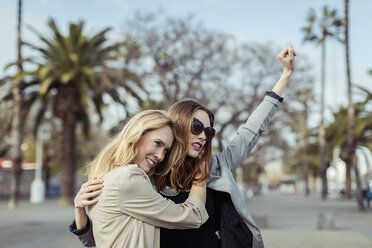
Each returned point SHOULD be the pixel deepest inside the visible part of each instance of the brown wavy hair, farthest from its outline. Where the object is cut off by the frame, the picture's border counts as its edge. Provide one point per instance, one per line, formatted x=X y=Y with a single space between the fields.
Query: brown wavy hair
x=183 y=172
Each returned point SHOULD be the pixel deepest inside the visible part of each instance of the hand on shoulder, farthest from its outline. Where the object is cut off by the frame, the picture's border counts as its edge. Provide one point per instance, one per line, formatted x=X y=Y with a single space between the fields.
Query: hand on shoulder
x=88 y=193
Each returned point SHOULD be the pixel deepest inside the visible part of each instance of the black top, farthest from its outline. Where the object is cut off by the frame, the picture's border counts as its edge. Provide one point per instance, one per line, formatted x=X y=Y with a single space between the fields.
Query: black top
x=205 y=236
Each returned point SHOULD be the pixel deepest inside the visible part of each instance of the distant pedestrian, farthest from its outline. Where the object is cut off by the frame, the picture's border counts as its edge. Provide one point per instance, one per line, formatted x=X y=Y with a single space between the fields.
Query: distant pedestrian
x=366 y=189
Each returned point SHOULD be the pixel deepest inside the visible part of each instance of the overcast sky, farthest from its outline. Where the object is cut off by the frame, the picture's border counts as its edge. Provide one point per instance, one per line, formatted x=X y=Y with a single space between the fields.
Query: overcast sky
x=277 y=22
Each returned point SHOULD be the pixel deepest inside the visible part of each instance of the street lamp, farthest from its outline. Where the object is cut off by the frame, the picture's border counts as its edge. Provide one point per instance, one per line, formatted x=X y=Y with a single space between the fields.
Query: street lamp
x=37 y=186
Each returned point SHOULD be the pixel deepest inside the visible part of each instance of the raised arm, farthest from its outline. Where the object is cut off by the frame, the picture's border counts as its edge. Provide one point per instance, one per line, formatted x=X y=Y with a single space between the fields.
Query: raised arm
x=286 y=59
x=257 y=123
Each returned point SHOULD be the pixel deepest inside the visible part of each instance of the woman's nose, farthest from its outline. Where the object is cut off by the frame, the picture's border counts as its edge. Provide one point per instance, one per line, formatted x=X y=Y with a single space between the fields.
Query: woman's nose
x=159 y=155
x=202 y=136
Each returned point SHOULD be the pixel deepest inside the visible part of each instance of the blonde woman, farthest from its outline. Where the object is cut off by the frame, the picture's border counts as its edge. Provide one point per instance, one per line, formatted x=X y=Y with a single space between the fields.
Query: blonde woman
x=130 y=211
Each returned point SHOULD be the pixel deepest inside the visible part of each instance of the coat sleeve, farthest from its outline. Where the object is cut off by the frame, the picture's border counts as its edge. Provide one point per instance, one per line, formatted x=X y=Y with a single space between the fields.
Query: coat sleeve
x=247 y=135
x=85 y=234
x=140 y=200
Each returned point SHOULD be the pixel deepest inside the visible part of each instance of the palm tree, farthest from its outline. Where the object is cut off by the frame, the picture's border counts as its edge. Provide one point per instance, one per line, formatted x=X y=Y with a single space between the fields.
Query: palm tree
x=72 y=74
x=337 y=130
x=305 y=97
x=330 y=25
x=18 y=120
x=337 y=135
x=349 y=152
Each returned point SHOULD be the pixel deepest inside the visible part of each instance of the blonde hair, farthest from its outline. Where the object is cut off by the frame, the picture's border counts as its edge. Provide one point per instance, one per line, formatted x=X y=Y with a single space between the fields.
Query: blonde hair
x=123 y=148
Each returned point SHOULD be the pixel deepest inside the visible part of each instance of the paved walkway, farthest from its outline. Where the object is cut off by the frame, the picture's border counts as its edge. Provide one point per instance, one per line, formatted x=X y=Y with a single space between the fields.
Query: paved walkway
x=36 y=226
x=291 y=222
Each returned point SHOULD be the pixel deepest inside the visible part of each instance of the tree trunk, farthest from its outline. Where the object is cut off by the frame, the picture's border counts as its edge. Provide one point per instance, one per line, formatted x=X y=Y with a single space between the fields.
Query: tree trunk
x=306 y=145
x=68 y=162
x=18 y=122
x=359 y=195
x=306 y=177
x=322 y=143
x=351 y=142
x=67 y=109
x=348 y=179
x=315 y=177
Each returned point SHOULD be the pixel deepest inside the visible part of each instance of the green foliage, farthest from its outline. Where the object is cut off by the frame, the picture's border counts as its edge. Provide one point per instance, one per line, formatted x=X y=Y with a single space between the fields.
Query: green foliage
x=70 y=75
x=71 y=72
x=336 y=133
x=329 y=25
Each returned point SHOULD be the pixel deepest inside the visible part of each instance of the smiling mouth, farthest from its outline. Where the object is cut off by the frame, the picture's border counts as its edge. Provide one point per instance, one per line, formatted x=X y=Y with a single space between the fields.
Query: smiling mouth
x=150 y=162
x=197 y=146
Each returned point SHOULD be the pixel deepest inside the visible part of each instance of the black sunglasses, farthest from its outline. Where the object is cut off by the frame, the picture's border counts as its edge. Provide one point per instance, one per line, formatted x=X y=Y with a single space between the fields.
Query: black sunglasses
x=197 y=128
